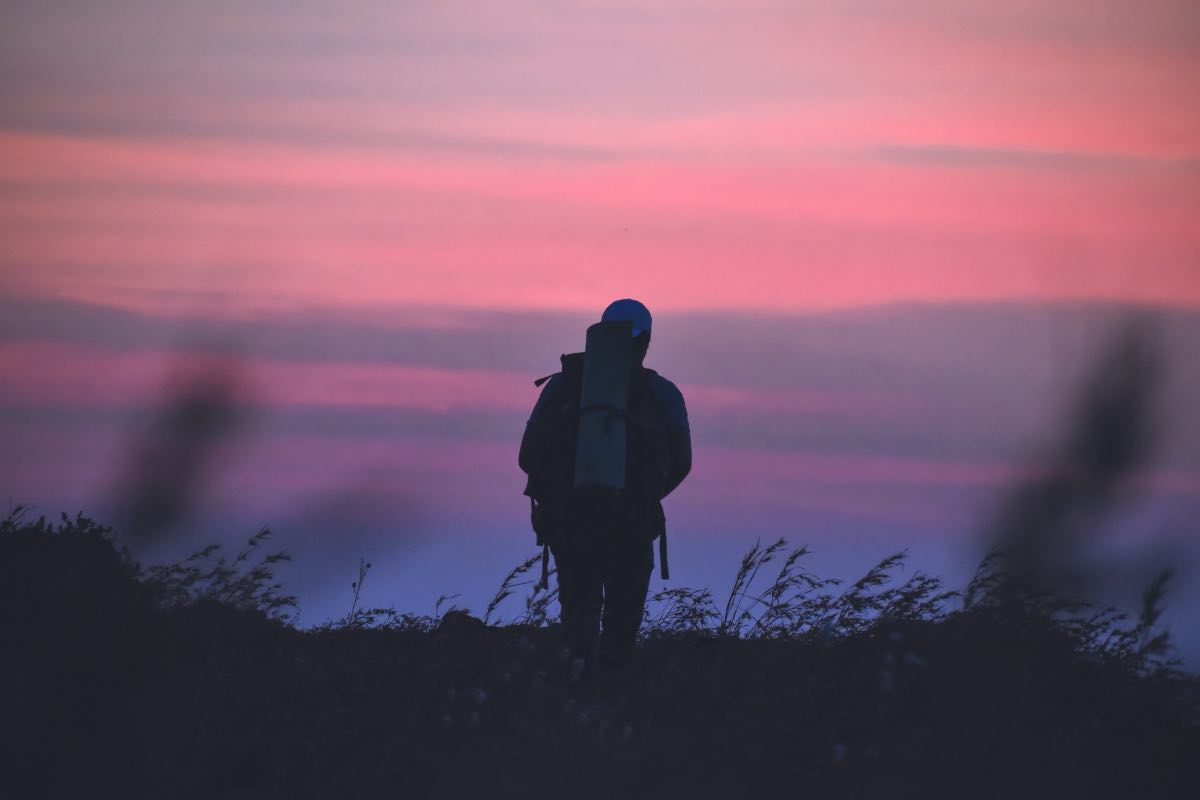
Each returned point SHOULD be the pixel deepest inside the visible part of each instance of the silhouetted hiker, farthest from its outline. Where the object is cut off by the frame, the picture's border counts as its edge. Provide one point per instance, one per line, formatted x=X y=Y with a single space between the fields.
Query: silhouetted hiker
x=607 y=440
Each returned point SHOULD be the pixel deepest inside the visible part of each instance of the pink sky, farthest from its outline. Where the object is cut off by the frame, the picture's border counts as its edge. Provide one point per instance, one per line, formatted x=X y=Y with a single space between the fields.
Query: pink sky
x=749 y=155
x=419 y=166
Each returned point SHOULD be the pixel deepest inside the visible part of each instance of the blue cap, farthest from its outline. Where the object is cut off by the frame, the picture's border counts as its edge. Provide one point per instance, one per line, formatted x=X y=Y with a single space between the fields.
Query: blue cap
x=629 y=311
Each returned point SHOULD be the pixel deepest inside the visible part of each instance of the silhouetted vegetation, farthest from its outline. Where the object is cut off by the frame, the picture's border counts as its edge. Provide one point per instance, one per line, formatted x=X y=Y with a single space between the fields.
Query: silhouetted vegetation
x=187 y=680
x=191 y=679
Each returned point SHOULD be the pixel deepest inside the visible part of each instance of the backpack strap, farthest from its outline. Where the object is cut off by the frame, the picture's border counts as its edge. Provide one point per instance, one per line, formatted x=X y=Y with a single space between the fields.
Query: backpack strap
x=614 y=412
x=662 y=556
x=544 y=583
x=571 y=363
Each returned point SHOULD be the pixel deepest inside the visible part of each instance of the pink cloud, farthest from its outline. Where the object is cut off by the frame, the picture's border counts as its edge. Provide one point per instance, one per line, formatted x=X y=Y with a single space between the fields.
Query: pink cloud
x=827 y=233
x=88 y=377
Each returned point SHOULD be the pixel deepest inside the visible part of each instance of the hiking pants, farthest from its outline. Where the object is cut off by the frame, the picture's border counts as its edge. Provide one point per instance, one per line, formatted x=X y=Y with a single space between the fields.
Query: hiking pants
x=603 y=578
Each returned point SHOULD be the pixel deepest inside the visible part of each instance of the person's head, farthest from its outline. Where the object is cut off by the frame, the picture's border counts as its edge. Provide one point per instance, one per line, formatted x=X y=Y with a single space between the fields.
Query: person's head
x=632 y=311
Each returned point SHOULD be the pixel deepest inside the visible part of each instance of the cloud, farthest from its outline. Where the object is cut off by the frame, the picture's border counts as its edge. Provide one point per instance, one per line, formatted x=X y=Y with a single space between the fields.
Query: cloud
x=338 y=123
x=1007 y=158
x=970 y=381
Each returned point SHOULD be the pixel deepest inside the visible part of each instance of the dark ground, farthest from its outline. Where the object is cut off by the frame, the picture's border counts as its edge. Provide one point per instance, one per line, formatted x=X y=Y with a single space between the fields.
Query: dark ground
x=121 y=682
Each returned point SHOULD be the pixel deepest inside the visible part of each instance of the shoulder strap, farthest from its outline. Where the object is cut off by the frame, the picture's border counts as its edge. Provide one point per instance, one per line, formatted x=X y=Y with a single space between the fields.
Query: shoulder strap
x=664 y=571
x=572 y=363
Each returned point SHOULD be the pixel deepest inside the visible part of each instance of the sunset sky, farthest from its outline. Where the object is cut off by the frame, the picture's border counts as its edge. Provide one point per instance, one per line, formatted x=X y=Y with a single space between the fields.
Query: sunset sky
x=881 y=241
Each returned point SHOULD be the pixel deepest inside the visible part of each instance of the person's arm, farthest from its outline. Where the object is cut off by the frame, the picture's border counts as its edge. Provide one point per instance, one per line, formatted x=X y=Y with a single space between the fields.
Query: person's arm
x=536 y=429
x=679 y=440
x=679 y=434
x=531 y=446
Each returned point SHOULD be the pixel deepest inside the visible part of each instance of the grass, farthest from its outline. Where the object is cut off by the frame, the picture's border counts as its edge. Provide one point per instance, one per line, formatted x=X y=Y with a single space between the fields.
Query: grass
x=191 y=680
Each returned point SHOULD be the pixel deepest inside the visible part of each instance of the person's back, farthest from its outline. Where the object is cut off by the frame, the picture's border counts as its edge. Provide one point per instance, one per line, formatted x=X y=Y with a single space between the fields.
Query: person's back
x=603 y=543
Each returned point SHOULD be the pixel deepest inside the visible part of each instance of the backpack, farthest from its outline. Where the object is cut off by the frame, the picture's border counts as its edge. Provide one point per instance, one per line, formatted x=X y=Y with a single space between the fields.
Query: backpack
x=551 y=485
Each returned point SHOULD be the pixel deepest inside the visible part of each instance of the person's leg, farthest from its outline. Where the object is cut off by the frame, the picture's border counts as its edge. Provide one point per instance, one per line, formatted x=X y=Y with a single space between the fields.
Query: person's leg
x=580 y=594
x=626 y=583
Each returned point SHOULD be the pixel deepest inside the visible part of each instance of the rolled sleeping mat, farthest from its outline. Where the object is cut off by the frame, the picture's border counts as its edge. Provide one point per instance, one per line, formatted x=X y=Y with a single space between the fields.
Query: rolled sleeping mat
x=607 y=366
